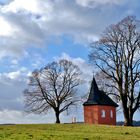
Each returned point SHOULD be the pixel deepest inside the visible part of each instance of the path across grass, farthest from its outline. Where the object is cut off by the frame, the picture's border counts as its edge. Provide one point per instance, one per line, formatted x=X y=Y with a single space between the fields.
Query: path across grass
x=68 y=132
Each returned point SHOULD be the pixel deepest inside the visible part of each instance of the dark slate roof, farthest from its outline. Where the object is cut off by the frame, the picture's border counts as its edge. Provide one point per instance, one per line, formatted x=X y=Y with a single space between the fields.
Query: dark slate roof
x=98 y=97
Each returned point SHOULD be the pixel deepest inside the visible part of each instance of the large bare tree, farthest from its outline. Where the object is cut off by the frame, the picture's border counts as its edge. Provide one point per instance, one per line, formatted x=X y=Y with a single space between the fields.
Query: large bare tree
x=117 y=55
x=53 y=87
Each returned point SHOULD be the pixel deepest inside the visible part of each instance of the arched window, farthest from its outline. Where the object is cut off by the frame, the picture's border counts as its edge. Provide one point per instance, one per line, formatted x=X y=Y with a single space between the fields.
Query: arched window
x=111 y=114
x=103 y=113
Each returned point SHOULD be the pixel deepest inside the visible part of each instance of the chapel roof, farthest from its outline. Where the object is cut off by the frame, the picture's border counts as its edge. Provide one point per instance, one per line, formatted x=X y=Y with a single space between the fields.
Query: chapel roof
x=98 y=97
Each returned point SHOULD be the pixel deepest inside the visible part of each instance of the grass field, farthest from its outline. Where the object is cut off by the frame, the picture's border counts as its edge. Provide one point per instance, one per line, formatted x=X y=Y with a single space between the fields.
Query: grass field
x=68 y=132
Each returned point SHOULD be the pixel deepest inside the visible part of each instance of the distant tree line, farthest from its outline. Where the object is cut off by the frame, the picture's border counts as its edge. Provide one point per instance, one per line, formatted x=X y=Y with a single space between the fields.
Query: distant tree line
x=135 y=123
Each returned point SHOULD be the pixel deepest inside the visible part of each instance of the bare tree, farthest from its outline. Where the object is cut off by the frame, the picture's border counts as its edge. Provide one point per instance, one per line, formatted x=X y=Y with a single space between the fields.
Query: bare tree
x=53 y=87
x=117 y=55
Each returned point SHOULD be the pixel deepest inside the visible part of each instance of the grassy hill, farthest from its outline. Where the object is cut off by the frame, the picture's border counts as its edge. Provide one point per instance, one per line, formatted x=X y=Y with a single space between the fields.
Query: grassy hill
x=68 y=132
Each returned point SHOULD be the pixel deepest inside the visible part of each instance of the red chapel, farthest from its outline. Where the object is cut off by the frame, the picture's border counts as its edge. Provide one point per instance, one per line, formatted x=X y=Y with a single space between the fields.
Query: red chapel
x=99 y=108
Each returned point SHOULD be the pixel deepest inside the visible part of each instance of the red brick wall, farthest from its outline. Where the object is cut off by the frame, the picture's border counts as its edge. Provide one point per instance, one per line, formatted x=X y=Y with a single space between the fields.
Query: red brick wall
x=92 y=115
x=107 y=119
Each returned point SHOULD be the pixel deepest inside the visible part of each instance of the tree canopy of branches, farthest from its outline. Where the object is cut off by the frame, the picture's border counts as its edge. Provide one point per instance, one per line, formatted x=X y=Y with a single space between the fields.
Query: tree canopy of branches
x=53 y=87
x=117 y=55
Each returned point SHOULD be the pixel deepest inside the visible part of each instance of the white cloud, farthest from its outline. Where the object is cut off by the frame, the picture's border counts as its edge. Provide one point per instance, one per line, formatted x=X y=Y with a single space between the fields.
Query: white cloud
x=17 y=76
x=13 y=75
x=5 y=28
x=95 y=3
x=19 y=117
x=86 y=69
x=17 y=5
x=37 y=61
x=14 y=61
x=12 y=85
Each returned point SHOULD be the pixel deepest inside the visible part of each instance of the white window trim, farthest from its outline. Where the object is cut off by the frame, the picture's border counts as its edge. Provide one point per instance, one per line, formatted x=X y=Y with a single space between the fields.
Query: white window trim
x=111 y=114
x=103 y=113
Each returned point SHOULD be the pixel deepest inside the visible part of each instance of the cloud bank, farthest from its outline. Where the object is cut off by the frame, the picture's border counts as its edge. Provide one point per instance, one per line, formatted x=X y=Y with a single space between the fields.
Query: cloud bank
x=33 y=23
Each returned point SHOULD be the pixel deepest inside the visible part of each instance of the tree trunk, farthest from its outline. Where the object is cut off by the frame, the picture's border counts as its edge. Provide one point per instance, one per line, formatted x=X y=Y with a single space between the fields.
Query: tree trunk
x=127 y=122
x=128 y=119
x=57 y=113
x=131 y=120
x=128 y=114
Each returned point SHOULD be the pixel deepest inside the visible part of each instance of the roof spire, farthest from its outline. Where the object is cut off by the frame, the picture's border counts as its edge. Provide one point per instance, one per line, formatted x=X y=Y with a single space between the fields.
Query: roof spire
x=93 y=95
x=98 y=97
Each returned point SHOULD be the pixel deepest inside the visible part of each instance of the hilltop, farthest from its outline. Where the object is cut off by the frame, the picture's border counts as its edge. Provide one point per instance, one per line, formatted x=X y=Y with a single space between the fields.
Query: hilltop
x=68 y=132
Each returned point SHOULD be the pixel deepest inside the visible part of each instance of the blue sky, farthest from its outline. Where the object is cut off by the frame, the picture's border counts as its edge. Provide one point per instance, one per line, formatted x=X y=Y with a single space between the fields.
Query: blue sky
x=35 y=32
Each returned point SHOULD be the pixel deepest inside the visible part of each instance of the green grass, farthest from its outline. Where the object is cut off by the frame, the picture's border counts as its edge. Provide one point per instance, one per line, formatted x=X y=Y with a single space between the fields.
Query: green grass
x=68 y=132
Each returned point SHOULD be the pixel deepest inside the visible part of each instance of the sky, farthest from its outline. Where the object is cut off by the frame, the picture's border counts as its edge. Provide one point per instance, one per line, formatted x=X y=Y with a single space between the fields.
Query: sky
x=36 y=32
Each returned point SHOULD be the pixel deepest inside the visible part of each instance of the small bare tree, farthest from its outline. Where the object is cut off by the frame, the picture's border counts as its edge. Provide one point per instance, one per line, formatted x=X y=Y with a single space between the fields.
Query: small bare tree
x=53 y=87
x=117 y=55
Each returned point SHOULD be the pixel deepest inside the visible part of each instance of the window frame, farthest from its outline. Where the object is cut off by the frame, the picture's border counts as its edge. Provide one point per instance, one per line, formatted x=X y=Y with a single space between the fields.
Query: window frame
x=111 y=114
x=103 y=113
